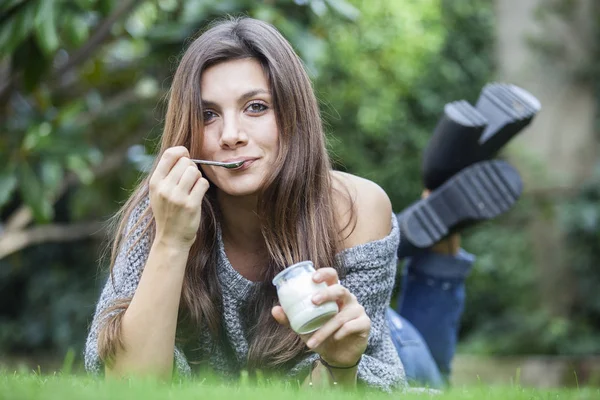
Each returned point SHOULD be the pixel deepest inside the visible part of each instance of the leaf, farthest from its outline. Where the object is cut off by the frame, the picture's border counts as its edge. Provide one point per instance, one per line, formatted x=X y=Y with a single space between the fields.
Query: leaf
x=16 y=29
x=141 y=19
x=52 y=175
x=85 y=4
x=8 y=184
x=80 y=167
x=45 y=27
x=170 y=32
x=33 y=193
x=318 y=7
x=68 y=113
x=106 y=6
x=76 y=29
x=6 y=5
x=344 y=8
x=35 y=64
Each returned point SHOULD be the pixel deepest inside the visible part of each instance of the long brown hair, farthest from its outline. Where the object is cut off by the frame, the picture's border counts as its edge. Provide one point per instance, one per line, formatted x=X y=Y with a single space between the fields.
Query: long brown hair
x=296 y=207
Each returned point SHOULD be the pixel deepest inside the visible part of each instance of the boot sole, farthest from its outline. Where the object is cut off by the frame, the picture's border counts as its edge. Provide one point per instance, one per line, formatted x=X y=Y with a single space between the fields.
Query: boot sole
x=479 y=192
x=509 y=109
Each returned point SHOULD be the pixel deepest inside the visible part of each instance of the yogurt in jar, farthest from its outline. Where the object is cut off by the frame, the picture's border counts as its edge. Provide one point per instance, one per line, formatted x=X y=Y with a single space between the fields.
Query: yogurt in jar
x=295 y=289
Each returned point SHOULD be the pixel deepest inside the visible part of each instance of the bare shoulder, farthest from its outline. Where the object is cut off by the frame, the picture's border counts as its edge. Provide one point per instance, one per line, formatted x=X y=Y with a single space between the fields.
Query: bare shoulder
x=372 y=209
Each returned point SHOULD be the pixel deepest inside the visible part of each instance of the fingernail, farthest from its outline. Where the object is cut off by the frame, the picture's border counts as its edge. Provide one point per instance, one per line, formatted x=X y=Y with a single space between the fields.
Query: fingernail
x=311 y=343
x=317 y=298
x=316 y=276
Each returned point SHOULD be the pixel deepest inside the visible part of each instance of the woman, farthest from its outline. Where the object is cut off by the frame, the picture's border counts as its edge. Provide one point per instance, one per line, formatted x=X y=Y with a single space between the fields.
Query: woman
x=196 y=249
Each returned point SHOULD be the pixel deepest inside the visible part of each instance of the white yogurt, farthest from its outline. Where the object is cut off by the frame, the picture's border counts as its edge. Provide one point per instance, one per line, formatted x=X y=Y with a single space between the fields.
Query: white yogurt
x=295 y=289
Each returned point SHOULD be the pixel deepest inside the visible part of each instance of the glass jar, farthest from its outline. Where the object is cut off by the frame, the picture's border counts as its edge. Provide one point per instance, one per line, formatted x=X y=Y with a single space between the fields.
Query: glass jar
x=295 y=289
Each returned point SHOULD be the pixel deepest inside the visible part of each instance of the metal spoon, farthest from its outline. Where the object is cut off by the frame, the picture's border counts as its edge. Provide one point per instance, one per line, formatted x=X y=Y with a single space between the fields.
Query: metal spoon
x=228 y=165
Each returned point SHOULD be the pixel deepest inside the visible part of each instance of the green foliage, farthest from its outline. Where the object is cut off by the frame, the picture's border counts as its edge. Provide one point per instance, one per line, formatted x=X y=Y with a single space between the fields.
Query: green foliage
x=365 y=83
x=385 y=81
x=509 y=318
x=47 y=297
x=581 y=222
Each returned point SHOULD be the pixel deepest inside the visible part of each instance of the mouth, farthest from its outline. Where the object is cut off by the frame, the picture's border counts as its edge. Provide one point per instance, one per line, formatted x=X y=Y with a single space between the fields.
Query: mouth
x=244 y=162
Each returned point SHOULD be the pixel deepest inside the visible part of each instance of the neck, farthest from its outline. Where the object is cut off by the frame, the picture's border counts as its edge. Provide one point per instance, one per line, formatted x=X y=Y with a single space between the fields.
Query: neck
x=240 y=224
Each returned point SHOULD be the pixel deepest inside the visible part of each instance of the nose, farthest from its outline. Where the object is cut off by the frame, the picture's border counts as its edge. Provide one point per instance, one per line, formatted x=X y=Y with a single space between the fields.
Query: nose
x=233 y=135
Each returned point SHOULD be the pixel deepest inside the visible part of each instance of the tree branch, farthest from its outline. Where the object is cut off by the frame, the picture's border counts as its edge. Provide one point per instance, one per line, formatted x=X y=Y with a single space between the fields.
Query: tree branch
x=11 y=242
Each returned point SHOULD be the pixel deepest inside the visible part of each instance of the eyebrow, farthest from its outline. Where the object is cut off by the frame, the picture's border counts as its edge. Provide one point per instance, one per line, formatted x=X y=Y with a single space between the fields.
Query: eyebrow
x=242 y=98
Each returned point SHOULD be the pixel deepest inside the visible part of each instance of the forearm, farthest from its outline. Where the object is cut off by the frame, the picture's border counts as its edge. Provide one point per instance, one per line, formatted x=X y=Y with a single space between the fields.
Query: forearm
x=149 y=324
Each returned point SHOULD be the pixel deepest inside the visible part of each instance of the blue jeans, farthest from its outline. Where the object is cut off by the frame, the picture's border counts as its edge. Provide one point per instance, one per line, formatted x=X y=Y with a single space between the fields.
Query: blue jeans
x=425 y=324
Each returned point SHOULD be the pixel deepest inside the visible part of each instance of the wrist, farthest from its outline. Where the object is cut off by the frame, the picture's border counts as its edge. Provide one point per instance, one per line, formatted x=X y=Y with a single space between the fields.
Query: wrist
x=169 y=244
x=172 y=250
x=329 y=374
x=340 y=366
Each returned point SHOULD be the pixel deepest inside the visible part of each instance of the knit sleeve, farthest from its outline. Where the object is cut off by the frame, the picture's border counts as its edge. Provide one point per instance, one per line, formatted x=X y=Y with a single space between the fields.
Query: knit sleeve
x=370 y=273
x=125 y=278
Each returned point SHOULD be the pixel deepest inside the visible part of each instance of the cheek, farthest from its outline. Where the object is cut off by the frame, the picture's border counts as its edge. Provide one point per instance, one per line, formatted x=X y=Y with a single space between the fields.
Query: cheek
x=270 y=133
x=209 y=144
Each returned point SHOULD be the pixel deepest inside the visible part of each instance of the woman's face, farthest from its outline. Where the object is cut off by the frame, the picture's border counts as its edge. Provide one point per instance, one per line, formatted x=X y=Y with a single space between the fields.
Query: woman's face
x=239 y=124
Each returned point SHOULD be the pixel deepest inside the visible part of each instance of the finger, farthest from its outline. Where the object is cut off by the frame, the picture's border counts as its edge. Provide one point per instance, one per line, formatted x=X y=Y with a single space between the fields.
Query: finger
x=337 y=293
x=358 y=326
x=168 y=159
x=332 y=326
x=280 y=316
x=189 y=177
x=199 y=190
x=327 y=275
x=174 y=176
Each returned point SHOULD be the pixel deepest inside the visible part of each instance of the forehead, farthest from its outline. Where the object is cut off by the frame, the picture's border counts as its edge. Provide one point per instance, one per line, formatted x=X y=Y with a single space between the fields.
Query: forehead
x=233 y=77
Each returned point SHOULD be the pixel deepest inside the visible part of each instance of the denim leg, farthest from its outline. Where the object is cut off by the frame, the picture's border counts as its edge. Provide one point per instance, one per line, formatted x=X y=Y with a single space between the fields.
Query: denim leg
x=432 y=299
x=419 y=365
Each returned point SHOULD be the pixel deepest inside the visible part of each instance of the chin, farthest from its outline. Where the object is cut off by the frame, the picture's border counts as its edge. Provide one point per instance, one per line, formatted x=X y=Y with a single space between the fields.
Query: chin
x=242 y=187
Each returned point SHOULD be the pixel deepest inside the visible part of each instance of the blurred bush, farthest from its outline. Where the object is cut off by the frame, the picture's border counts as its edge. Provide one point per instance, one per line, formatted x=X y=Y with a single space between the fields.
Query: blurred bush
x=504 y=314
x=386 y=78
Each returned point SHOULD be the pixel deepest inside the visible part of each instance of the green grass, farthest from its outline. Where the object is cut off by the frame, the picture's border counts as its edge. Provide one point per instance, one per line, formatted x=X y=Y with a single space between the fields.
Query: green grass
x=18 y=386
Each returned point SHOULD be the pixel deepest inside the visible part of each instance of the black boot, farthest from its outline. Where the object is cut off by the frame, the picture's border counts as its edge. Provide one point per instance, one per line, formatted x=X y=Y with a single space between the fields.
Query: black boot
x=454 y=144
x=466 y=134
x=479 y=192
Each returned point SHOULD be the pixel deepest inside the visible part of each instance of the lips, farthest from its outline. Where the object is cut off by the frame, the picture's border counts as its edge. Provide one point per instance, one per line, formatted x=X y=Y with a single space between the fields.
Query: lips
x=238 y=159
x=247 y=162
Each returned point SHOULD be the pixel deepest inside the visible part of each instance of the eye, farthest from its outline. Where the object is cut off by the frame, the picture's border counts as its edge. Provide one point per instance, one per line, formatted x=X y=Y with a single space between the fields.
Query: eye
x=208 y=116
x=257 y=108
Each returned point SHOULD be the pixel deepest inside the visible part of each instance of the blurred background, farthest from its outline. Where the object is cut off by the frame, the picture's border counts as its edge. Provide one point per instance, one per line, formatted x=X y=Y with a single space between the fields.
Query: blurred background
x=82 y=100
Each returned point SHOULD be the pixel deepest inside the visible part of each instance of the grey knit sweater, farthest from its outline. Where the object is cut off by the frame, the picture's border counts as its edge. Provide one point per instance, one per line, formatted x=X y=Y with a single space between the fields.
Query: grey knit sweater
x=370 y=275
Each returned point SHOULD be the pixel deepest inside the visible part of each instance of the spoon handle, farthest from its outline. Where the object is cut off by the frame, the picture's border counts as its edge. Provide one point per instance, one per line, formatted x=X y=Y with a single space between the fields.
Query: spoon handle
x=219 y=164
